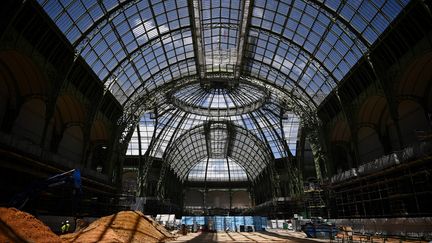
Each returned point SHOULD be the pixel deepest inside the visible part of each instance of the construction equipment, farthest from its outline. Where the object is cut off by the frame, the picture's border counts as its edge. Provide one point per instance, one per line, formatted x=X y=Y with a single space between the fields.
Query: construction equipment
x=72 y=177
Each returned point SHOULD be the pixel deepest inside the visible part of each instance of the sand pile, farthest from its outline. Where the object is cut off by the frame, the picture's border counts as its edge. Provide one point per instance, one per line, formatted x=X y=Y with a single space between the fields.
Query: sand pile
x=18 y=226
x=125 y=226
x=160 y=227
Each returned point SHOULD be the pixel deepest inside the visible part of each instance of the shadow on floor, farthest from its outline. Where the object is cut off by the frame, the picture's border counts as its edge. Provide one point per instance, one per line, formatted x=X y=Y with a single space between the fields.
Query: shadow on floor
x=203 y=237
x=293 y=239
x=238 y=237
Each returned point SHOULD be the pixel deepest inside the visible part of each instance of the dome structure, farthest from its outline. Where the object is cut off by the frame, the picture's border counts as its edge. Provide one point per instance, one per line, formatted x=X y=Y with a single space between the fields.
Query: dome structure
x=219 y=100
x=260 y=66
x=249 y=63
x=242 y=105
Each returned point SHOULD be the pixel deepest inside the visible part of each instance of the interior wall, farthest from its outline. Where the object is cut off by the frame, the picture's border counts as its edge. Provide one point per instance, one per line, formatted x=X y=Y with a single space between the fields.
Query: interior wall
x=99 y=145
x=413 y=121
x=71 y=144
x=193 y=198
x=369 y=145
x=30 y=122
x=218 y=199
x=4 y=97
x=393 y=134
x=241 y=199
x=341 y=157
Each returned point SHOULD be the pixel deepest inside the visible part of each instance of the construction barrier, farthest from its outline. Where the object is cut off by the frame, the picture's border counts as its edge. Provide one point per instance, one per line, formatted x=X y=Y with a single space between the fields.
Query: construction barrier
x=227 y=223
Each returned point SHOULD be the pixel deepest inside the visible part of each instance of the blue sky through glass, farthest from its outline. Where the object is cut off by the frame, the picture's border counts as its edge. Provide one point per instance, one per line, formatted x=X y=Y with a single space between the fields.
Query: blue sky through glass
x=302 y=47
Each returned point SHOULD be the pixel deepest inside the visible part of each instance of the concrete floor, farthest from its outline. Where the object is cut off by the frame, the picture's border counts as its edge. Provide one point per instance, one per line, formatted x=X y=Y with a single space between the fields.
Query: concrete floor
x=238 y=237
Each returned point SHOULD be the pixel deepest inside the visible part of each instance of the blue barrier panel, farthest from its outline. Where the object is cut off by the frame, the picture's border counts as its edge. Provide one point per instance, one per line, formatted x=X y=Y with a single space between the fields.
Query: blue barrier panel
x=209 y=222
x=229 y=223
x=199 y=220
x=257 y=223
x=238 y=220
x=222 y=223
x=264 y=223
x=187 y=220
x=248 y=220
x=219 y=223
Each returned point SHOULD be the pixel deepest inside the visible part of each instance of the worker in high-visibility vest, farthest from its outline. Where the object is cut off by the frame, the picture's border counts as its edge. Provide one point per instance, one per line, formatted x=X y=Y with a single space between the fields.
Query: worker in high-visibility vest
x=67 y=226
x=63 y=228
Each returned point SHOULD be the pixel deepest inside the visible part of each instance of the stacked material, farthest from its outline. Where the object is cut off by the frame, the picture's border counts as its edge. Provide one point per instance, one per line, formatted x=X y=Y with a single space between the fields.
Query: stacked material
x=125 y=226
x=345 y=232
x=18 y=226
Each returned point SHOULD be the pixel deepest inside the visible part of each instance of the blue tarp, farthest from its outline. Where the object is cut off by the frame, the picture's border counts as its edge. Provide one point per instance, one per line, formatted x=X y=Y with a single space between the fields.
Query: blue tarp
x=320 y=231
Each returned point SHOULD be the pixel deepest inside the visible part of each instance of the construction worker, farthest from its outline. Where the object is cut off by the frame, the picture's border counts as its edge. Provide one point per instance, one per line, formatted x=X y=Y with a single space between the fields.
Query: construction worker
x=67 y=226
x=63 y=228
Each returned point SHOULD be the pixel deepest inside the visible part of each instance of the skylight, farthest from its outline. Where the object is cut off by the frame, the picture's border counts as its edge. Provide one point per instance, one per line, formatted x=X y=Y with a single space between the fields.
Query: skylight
x=223 y=170
x=278 y=61
x=309 y=43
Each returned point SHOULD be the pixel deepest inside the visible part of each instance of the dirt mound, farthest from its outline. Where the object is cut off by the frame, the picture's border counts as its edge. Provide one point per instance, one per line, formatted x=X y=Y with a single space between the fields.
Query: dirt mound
x=18 y=226
x=160 y=227
x=125 y=226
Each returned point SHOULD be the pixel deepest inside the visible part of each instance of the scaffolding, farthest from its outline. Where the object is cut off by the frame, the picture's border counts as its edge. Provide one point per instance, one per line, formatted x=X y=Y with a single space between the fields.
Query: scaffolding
x=314 y=201
x=396 y=191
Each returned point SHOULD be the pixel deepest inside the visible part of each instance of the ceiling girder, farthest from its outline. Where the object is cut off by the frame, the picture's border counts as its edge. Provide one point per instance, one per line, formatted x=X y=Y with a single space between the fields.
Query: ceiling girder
x=247 y=6
x=195 y=20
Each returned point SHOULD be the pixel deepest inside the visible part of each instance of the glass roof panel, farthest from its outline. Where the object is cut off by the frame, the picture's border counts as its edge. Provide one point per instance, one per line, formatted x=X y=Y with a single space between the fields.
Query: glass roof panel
x=218 y=101
x=313 y=43
x=312 y=30
x=224 y=170
x=220 y=22
x=290 y=124
x=217 y=141
x=264 y=123
x=146 y=128
x=300 y=48
x=142 y=36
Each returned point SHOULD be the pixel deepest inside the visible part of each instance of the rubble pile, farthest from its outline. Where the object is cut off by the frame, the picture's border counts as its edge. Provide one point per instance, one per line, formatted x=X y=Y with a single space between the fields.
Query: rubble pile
x=125 y=226
x=19 y=226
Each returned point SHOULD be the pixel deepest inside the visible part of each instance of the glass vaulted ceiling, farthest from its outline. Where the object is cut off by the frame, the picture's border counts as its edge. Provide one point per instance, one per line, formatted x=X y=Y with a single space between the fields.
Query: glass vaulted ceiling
x=218 y=141
x=219 y=101
x=217 y=170
x=291 y=54
x=271 y=124
x=304 y=46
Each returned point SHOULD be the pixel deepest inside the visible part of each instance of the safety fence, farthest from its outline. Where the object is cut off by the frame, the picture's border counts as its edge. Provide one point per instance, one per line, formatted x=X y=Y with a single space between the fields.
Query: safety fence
x=226 y=223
